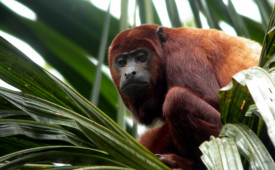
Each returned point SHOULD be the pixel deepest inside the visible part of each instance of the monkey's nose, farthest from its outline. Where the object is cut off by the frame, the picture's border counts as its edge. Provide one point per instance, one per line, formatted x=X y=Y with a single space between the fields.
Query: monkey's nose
x=130 y=74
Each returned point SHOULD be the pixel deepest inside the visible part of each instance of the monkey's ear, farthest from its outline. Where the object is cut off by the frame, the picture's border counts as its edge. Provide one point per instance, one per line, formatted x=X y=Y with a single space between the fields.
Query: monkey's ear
x=161 y=35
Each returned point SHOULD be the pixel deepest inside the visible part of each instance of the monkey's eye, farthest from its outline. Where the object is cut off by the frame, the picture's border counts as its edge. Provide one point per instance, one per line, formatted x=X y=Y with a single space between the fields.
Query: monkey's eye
x=121 y=61
x=141 y=57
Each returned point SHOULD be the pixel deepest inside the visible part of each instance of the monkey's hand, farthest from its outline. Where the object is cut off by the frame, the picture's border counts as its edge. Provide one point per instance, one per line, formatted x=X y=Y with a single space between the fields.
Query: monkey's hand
x=176 y=162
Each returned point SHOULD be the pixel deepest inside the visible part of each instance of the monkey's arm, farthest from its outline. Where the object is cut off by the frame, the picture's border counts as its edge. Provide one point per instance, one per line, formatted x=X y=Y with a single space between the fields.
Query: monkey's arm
x=191 y=119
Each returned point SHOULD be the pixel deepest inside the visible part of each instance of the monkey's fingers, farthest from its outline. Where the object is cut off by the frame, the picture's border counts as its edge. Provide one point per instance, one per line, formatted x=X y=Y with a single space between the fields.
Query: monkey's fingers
x=176 y=162
x=168 y=161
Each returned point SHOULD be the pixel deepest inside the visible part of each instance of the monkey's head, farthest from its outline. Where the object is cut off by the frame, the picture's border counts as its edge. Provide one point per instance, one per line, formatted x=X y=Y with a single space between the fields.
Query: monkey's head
x=134 y=59
x=134 y=70
x=137 y=67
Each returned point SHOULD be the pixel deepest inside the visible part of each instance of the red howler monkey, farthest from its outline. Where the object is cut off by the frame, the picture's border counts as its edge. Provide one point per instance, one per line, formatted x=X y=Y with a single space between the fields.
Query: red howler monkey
x=175 y=74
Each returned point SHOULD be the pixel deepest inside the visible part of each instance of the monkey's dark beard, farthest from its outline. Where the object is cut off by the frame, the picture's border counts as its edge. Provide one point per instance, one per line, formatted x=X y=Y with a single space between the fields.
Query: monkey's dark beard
x=147 y=109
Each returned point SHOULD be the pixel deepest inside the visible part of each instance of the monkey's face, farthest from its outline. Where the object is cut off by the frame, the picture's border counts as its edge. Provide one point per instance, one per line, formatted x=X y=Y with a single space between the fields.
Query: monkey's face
x=134 y=71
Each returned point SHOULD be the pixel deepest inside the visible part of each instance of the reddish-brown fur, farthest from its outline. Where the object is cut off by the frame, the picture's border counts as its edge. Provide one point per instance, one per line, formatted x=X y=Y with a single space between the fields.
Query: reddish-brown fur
x=187 y=71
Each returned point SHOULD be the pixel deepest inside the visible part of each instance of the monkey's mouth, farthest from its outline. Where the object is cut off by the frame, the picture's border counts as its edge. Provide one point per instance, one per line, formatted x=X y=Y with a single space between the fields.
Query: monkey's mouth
x=134 y=89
